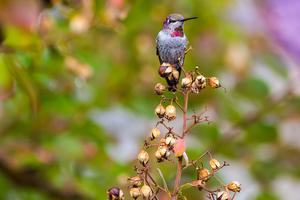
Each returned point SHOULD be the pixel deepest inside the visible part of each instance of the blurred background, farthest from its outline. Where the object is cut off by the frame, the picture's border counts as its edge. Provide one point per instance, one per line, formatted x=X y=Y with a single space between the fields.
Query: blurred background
x=77 y=100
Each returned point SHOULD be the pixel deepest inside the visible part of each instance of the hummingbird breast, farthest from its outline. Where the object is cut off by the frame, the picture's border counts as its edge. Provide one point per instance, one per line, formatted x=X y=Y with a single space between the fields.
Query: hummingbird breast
x=170 y=48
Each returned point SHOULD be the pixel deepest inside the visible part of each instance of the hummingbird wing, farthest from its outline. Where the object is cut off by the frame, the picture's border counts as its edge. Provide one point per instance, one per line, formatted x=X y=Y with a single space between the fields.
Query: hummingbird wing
x=157 y=53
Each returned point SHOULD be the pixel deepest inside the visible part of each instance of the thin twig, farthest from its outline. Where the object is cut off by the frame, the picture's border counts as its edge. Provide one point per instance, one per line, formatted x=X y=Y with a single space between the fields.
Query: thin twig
x=178 y=176
x=195 y=123
x=162 y=177
x=181 y=108
x=169 y=129
x=145 y=180
x=186 y=97
x=154 y=182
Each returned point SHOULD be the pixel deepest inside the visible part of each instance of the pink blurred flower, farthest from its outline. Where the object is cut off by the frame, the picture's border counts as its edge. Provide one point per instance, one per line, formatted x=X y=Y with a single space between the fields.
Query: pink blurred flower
x=20 y=13
x=179 y=148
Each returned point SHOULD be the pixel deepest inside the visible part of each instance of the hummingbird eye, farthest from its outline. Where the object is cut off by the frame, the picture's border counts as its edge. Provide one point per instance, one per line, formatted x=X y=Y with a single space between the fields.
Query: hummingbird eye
x=170 y=21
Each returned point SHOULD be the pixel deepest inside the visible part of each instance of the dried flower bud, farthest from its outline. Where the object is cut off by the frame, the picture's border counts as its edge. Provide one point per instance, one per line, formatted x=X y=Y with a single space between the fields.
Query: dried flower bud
x=175 y=74
x=158 y=155
x=115 y=193
x=155 y=133
x=163 y=151
x=202 y=86
x=234 y=186
x=159 y=89
x=162 y=142
x=160 y=111
x=223 y=195
x=194 y=88
x=200 y=80
x=169 y=70
x=204 y=174
x=135 y=192
x=135 y=181
x=170 y=112
x=214 y=164
x=167 y=154
x=165 y=69
x=146 y=191
x=143 y=157
x=170 y=140
x=214 y=82
x=186 y=82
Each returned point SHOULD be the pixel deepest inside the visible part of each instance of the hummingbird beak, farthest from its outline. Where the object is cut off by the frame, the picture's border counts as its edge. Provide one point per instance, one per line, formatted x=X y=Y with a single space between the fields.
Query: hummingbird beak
x=187 y=19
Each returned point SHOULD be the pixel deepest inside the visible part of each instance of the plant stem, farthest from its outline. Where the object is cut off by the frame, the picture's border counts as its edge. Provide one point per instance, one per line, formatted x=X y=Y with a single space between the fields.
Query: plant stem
x=178 y=176
x=186 y=98
x=179 y=167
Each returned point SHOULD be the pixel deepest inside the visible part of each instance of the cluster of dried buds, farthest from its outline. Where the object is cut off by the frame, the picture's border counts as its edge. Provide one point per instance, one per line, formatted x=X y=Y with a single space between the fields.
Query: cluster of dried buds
x=233 y=186
x=166 y=70
x=171 y=145
x=166 y=145
x=194 y=81
x=169 y=112
x=115 y=194
x=222 y=193
x=136 y=191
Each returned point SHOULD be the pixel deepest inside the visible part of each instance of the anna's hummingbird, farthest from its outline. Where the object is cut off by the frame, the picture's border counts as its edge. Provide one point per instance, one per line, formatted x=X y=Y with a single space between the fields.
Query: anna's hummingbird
x=171 y=43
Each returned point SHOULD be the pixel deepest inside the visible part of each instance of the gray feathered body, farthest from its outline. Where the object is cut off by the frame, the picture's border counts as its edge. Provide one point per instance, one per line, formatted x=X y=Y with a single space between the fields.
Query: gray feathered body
x=169 y=49
x=171 y=43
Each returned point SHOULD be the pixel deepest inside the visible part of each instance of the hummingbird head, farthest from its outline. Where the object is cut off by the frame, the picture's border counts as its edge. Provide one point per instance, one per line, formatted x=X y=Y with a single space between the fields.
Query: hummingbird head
x=174 y=24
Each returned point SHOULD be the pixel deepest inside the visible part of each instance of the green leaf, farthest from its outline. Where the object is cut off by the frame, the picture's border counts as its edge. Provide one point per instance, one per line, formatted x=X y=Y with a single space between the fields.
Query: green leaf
x=261 y=132
x=254 y=88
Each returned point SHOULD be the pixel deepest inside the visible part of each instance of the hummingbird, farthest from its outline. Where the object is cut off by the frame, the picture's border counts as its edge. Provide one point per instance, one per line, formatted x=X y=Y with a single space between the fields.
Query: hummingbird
x=171 y=43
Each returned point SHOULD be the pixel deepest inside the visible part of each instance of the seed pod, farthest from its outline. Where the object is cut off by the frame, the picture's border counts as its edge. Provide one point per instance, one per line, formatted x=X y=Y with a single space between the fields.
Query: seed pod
x=186 y=82
x=146 y=191
x=170 y=140
x=115 y=193
x=135 y=192
x=167 y=154
x=175 y=74
x=155 y=133
x=214 y=164
x=135 y=181
x=223 y=195
x=194 y=88
x=165 y=69
x=204 y=174
x=214 y=82
x=163 y=151
x=159 y=89
x=162 y=142
x=202 y=86
x=200 y=80
x=170 y=112
x=158 y=155
x=234 y=186
x=143 y=157
x=160 y=111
